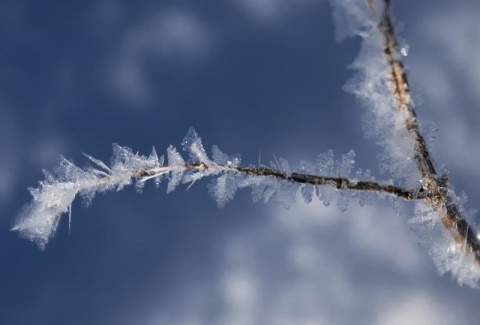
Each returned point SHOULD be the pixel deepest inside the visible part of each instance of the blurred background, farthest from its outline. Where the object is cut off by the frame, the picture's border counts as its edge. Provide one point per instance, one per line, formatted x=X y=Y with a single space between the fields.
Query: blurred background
x=251 y=76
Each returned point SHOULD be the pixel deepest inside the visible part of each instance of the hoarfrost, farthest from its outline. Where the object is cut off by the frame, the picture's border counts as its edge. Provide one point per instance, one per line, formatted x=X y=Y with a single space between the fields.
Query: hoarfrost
x=221 y=158
x=307 y=192
x=218 y=156
x=223 y=188
x=192 y=143
x=37 y=224
x=346 y=165
x=396 y=205
x=448 y=256
x=175 y=160
x=325 y=194
x=325 y=163
x=342 y=202
x=286 y=193
x=364 y=198
x=285 y=167
x=38 y=221
x=263 y=188
x=370 y=86
x=53 y=197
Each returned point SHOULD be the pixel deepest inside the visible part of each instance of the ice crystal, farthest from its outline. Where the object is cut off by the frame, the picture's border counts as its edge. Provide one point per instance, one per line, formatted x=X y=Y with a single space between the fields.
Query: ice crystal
x=448 y=256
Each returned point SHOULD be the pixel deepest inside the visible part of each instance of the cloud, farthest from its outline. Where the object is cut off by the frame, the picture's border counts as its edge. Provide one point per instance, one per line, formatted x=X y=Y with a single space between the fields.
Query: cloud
x=452 y=31
x=418 y=307
x=165 y=36
x=271 y=10
x=310 y=264
x=443 y=64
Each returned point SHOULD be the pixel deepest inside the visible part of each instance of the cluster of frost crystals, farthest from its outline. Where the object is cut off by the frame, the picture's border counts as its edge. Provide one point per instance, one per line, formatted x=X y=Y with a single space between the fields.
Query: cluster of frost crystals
x=327 y=166
x=223 y=188
x=364 y=197
x=176 y=161
x=126 y=164
x=192 y=143
x=38 y=221
x=53 y=197
x=370 y=86
x=269 y=188
x=448 y=256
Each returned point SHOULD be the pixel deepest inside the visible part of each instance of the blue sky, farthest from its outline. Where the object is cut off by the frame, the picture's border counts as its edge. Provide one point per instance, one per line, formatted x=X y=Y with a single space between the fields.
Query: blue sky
x=250 y=76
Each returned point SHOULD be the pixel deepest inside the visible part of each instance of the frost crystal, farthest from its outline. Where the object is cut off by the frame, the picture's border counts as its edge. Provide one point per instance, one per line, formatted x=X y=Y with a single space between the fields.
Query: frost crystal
x=223 y=188
x=307 y=193
x=371 y=87
x=325 y=163
x=38 y=220
x=192 y=143
x=448 y=256
x=221 y=158
x=175 y=160
x=347 y=164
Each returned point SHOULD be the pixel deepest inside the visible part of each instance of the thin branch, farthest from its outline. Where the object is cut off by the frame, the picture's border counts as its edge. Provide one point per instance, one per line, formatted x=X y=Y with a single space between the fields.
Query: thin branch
x=316 y=180
x=337 y=182
x=436 y=188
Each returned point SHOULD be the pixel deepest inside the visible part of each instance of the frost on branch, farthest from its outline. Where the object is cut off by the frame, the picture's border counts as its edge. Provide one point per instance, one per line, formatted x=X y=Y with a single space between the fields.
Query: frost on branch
x=370 y=86
x=449 y=256
x=381 y=85
x=53 y=197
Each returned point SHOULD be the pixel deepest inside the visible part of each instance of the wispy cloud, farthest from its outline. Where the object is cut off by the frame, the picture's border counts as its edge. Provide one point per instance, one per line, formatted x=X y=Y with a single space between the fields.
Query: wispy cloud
x=309 y=264
x=165 y=36
x=271 y=10
x=446 y=67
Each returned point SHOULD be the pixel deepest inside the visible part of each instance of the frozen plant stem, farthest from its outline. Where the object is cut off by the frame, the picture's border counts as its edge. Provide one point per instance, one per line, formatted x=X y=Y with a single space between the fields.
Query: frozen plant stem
x=316 y=180
x=38 y=220
x=434 y=185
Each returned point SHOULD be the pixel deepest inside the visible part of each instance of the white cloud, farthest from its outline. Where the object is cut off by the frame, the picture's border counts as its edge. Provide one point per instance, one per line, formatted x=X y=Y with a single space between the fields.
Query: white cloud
x=454 y=31
x=271 y=10
x=311 y=264
x=173 y=35
x=418 y=307
x=443 y=63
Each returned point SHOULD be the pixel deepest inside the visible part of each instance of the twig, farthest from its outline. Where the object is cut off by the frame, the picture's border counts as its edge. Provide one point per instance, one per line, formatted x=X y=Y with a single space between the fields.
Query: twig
x=316 y=180
x=437 y=195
